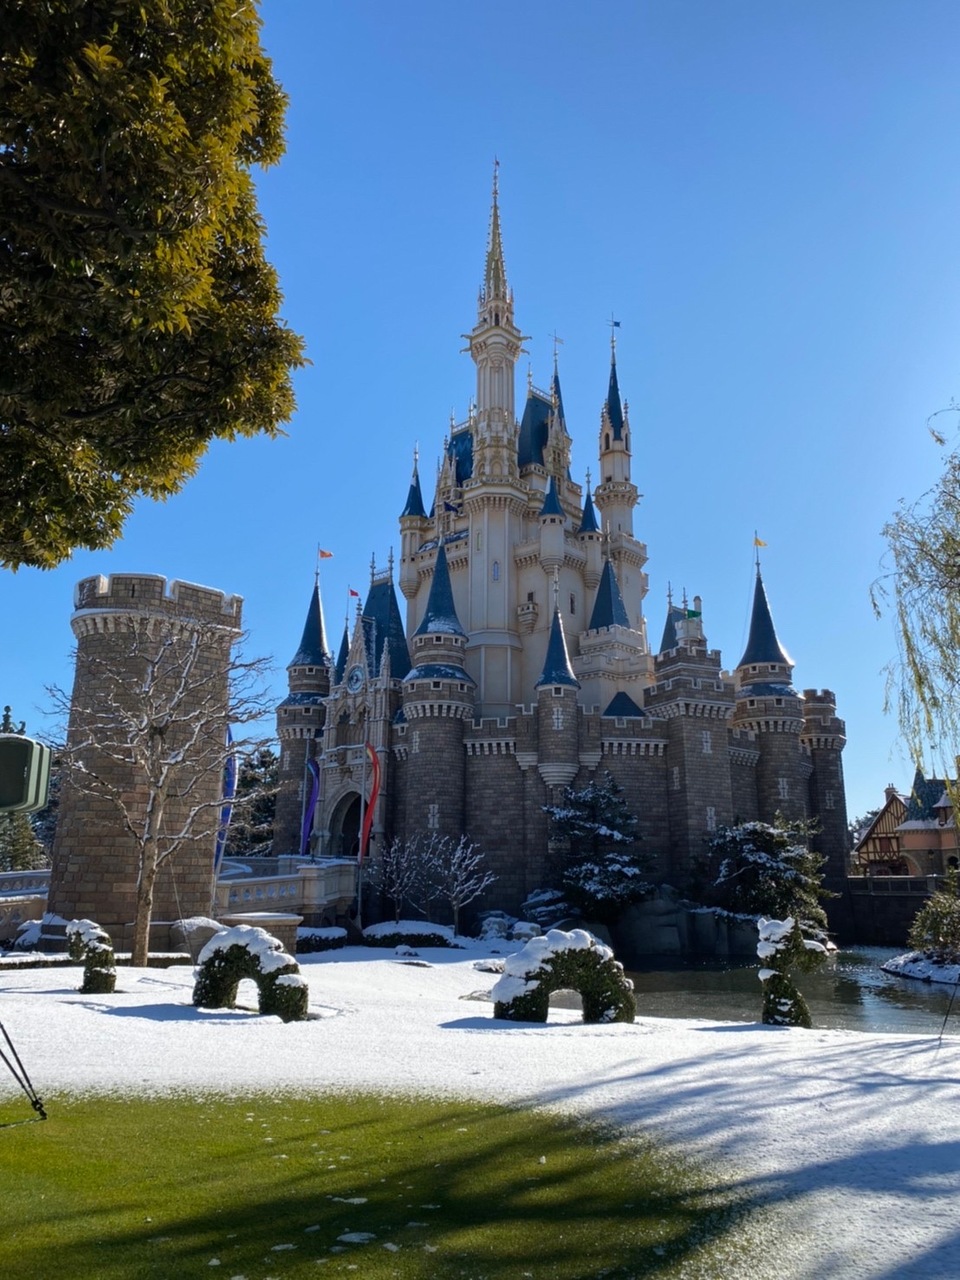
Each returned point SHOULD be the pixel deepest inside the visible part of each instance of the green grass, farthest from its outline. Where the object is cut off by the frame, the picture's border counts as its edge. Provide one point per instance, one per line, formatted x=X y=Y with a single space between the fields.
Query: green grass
x=157 y=1189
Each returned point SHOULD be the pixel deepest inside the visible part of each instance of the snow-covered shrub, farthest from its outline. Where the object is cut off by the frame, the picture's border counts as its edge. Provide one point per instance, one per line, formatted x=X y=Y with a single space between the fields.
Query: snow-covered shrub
x=574 y=961
x=247 y=952
x=326 y=939
x=494 y=926
x=91 y=945
x=936 y=926
x=408 y=933
x=524 y=930
x=782 y=943
x=29 y=933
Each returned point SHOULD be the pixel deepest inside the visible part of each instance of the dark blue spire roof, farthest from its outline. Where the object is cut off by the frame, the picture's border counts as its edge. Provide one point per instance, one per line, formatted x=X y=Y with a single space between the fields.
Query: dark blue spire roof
x=460 y=450
x=313 y=644
x=383 y=626
x=762 y=643
x=414 y=505
x=925 y=795
x=342 y=656
x=588 y=524
x=441 y=615
x=557 y=397
x=623 y=706
x=674 y=615
x=608 y=608
x=551 y=502
x=556 y=665
x=613 y=406
x=534 y=429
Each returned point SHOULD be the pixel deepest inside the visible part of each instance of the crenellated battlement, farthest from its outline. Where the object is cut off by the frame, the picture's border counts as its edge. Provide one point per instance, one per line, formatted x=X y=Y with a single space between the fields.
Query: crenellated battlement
x=145 y=594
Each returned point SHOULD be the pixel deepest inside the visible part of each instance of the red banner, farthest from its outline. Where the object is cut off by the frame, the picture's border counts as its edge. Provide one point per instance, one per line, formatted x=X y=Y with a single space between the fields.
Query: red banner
x=372 y=802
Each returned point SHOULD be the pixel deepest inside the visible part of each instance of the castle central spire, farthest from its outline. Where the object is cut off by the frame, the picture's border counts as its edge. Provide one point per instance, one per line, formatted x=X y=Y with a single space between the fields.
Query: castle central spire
x=495 y=275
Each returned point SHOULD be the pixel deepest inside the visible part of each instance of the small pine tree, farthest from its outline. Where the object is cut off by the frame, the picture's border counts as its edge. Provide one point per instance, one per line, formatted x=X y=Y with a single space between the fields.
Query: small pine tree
x=251 y=826
x=20 y=850
x=762 y=869
x=603 y=870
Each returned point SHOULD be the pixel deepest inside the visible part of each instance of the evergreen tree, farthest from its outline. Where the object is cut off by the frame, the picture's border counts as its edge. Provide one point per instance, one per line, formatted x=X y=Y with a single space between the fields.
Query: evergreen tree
x=138 y=313
x=603 y=870
x=251 y=825
x=758 y=869
x=20 y=850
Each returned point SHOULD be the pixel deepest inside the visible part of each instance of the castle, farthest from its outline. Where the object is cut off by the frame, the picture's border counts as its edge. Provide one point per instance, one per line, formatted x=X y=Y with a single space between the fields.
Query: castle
x=524 y=664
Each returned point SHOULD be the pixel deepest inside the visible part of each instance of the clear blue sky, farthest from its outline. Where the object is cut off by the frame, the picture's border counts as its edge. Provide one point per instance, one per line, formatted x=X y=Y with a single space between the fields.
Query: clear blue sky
x=766 y=196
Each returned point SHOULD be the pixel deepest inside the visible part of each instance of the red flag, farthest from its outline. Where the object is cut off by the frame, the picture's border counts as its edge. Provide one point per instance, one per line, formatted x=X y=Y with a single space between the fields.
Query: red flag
x=324 y=555
x=354 y=593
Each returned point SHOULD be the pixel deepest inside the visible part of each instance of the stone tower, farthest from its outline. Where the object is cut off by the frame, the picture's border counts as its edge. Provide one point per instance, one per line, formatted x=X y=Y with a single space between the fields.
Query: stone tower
x=438 y=696
x=146 y=648
x=768 y=705
x=300 y=721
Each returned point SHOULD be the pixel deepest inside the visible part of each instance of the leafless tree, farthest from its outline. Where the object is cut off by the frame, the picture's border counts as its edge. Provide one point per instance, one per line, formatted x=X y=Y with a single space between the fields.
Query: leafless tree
x=399 y=872
x=150 y=736
x=457 y=873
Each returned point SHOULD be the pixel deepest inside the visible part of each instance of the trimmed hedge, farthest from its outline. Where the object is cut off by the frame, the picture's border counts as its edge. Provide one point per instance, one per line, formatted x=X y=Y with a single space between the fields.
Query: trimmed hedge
x=246 y=952
x=93 y=947
x=574 y=961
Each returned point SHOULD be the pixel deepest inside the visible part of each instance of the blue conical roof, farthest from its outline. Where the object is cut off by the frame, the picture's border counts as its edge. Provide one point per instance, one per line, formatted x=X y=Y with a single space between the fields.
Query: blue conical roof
x=342 y=656
x=588 y=523
x=557 y=397
x=674 y=615
x=414 y=505
x=313 y=645
x=551 y=502
x=608 y=608
x=556 y=665
x=762 y=643
x=383 y=626
x=441 y=615
x=534 y=430
x=613 y=406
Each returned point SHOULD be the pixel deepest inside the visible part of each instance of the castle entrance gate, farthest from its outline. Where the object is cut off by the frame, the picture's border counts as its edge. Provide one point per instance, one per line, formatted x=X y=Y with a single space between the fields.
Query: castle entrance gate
x=345 y=827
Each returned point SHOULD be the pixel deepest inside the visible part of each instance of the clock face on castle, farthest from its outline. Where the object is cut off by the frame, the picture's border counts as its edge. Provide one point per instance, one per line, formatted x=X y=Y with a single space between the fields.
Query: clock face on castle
x=355 y=679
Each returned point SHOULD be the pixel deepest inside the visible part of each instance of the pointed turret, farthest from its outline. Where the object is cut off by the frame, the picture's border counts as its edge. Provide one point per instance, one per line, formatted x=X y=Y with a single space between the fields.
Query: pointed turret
x=674 y=615
x=613 y=408
x=551 y=502
x=608 y=608
x=414 y=506
x=588 y=521
x=495 y=273
x=343 y=653
x=762 y=643
x=556 y=665
x=441 y=614
x=312 y=651
x=616 y=495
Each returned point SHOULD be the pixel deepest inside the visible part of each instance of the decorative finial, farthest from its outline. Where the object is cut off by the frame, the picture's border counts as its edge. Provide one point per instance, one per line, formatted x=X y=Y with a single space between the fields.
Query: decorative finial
x=373 y=566
x=588 y=480
x=757 y=544
x=557 y=342
x=416 y=458
x=669 y=596
x=7 y=725
x=390 y=564
x=496 y=179
x=529 y=378
x=614 y=325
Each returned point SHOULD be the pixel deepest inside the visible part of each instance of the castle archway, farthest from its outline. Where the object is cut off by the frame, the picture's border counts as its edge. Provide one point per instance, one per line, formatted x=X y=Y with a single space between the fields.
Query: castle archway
x=345 y=827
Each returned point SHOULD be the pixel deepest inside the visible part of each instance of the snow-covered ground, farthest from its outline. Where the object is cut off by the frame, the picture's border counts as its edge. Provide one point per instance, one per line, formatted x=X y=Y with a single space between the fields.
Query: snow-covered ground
x=849 y=1142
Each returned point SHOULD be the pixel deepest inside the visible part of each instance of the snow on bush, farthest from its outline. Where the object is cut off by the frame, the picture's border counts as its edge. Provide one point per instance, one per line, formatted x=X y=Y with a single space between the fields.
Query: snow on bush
x=28 y=933
x=310 y=940
x=574 y=961
x=247 y=952
x=408 y=933
x=91 y=945
x=781 y=942
x=917 y=964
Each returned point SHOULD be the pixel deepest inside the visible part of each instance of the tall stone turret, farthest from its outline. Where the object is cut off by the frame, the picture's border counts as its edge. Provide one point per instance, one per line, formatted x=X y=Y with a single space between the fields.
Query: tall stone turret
x=768 y=706
x=616 y=495
x=149 y=652
x=558 y=712
x=438 y=696
x=696 y=703
x=414 y=530
x=824 y=736
x=590 y=537
x=300 y=721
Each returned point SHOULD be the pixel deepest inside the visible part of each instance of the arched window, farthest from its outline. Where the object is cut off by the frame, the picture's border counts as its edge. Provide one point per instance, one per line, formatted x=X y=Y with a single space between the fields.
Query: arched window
x=606 y=440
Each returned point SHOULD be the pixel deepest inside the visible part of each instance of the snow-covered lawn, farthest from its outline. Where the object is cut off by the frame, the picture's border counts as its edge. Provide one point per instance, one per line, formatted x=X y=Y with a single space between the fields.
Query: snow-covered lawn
x=850 y=1141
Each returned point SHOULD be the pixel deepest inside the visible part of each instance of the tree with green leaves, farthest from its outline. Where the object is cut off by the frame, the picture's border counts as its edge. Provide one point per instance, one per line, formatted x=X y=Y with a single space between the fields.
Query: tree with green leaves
x=250 y=832
x=138 y=313
x=922 y=592
x=603 y=868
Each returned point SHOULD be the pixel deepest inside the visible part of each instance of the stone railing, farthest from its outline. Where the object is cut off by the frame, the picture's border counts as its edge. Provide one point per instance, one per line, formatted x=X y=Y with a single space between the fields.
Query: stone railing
x=311 y=890
x=22 y=883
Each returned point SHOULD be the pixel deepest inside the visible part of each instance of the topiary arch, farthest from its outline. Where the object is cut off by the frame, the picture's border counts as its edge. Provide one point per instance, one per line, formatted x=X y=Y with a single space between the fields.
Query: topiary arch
x=575 y=961
x=246 y=952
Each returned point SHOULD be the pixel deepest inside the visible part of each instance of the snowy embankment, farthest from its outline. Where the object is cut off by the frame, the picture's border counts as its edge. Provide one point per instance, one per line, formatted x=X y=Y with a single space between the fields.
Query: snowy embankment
x=849 y=1142
x=914 y=964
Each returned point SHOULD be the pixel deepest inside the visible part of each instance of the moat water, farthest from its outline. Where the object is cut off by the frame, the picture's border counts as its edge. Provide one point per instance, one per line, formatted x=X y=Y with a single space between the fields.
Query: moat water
x=850 y=992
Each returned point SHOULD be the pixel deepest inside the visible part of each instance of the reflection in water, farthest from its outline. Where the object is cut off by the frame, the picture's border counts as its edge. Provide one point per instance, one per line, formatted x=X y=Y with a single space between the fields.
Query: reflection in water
x=849 y=992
